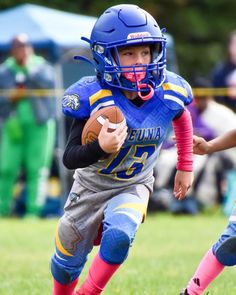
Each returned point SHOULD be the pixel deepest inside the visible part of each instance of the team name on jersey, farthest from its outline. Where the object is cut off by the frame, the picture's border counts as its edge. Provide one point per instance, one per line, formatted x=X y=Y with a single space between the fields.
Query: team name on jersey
x=144 y=134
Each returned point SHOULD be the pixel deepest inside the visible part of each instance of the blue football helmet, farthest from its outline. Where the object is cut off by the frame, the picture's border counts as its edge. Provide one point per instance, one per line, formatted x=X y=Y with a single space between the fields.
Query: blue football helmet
x=124 y=25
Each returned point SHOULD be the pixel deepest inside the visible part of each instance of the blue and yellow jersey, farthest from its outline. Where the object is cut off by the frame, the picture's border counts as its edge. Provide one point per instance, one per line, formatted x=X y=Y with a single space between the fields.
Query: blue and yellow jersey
x=147 y=126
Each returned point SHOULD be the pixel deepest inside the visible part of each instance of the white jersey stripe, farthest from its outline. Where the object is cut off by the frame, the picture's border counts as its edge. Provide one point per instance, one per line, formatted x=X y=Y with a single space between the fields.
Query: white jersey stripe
x=232 y=218
x=58 y=256
x=132 y=216
x=173 y=98
x=103 y=104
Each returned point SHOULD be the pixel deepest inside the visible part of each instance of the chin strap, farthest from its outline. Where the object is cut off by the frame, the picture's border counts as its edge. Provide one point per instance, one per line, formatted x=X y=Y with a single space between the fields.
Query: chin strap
x=137 y=78
x=149 y=95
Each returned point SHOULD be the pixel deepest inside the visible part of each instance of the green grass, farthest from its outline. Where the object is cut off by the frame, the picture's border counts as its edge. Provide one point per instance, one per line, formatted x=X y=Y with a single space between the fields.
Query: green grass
x=164 y=256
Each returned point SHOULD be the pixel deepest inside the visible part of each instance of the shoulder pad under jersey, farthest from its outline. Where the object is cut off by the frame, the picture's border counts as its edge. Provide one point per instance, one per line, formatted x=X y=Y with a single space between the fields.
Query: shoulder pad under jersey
x=75 y=102
x=177 y=91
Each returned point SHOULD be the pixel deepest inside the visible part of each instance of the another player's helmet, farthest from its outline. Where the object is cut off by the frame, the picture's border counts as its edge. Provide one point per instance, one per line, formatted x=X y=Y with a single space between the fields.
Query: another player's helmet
x=124 y=25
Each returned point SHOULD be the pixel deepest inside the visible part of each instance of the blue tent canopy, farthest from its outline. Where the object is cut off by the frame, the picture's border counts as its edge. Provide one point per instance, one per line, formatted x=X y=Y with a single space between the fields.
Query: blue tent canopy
x=47 y=28
x=54 y=31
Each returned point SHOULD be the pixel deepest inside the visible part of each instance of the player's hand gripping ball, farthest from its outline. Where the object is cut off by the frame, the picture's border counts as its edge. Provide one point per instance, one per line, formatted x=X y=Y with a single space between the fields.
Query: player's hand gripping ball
x=94 y=124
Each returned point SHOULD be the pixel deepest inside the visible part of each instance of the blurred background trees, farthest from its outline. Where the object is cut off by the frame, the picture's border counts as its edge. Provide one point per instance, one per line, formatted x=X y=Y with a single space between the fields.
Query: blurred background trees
x=199 y=27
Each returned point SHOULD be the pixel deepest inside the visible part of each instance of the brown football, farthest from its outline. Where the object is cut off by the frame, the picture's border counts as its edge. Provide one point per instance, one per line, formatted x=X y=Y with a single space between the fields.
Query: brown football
x=95 y=122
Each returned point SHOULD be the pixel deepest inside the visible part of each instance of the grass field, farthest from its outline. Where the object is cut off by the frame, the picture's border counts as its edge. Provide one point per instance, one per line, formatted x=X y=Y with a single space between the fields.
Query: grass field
x=163 y=257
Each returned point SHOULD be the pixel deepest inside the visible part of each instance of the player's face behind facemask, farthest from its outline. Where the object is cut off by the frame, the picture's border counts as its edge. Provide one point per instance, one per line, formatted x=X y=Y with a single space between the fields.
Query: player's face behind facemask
x=133 y=62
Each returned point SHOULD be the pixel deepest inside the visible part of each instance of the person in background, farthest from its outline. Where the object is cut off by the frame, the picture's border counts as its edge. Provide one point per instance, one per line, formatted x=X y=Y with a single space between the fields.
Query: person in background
x=223 y=252
x=29 y=126
x=222 y=74
x=204 y=109
x=231 y=82
x=201 y=105
x=113 y=177
x=210 y=170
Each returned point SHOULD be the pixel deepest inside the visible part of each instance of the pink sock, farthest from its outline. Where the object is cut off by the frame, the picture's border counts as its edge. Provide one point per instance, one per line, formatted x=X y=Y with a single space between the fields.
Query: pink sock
x=59 y=289
x=208 y=269
x=100 y=273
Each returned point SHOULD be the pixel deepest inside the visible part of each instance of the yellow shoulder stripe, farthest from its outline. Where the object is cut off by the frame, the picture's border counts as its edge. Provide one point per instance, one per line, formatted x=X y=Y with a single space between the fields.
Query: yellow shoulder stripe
x=171 y=86
x=98 y=95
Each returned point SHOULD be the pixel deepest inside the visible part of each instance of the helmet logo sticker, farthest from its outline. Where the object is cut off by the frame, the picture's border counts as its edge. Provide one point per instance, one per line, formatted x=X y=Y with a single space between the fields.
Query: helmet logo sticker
x=138 y=35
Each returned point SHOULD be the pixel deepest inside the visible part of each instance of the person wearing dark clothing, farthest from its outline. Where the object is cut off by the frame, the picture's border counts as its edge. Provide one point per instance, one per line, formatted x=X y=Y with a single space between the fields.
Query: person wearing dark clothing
x=222 y=74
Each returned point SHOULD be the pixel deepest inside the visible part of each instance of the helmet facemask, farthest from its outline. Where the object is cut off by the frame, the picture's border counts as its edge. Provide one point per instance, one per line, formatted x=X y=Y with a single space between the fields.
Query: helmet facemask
x=142 y=78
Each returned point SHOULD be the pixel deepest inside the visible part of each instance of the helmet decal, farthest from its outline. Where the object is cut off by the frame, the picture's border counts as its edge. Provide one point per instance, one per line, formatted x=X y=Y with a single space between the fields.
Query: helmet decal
x=138 y=35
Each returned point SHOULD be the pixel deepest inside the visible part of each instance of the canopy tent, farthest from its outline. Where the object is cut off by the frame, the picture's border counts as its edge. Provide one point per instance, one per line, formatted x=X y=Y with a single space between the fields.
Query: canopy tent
x=47 y=28
x=54 y=31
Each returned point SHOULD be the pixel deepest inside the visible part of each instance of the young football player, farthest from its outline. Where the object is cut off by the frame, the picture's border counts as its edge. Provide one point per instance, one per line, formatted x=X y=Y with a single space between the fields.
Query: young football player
x=114 y=175
x=223 y=252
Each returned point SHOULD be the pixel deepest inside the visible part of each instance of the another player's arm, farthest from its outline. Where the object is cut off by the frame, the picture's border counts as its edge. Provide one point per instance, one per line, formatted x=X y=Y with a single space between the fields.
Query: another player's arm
x=222 y=142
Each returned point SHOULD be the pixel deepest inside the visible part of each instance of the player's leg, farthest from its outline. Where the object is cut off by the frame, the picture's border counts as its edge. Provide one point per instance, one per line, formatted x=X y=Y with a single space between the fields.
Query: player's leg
x=10 y=162
x=225 y=248
x=75 y=236
x=69 y=258
x=38 y=159
x=122 y=217
x=208 y=269
x=223 y=253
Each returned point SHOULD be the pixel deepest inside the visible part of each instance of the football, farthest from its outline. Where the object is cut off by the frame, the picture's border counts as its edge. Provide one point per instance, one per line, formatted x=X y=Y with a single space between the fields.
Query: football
x=94 y=124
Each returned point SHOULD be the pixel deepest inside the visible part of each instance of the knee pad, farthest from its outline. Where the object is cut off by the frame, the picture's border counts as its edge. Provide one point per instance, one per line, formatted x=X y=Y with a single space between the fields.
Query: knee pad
x=115 y=245
x=118 y=234
x=226 y=252
x=62 y=273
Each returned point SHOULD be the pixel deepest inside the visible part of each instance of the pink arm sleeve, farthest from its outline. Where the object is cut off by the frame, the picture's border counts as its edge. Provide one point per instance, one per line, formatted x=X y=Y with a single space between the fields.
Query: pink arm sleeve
x=184 y=140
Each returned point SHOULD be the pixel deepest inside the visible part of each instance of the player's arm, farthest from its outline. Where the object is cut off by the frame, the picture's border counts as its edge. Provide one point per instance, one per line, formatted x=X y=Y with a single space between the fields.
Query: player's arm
x=222 y=142
x=77 y=155
x=111 y=142
x=183 y=130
